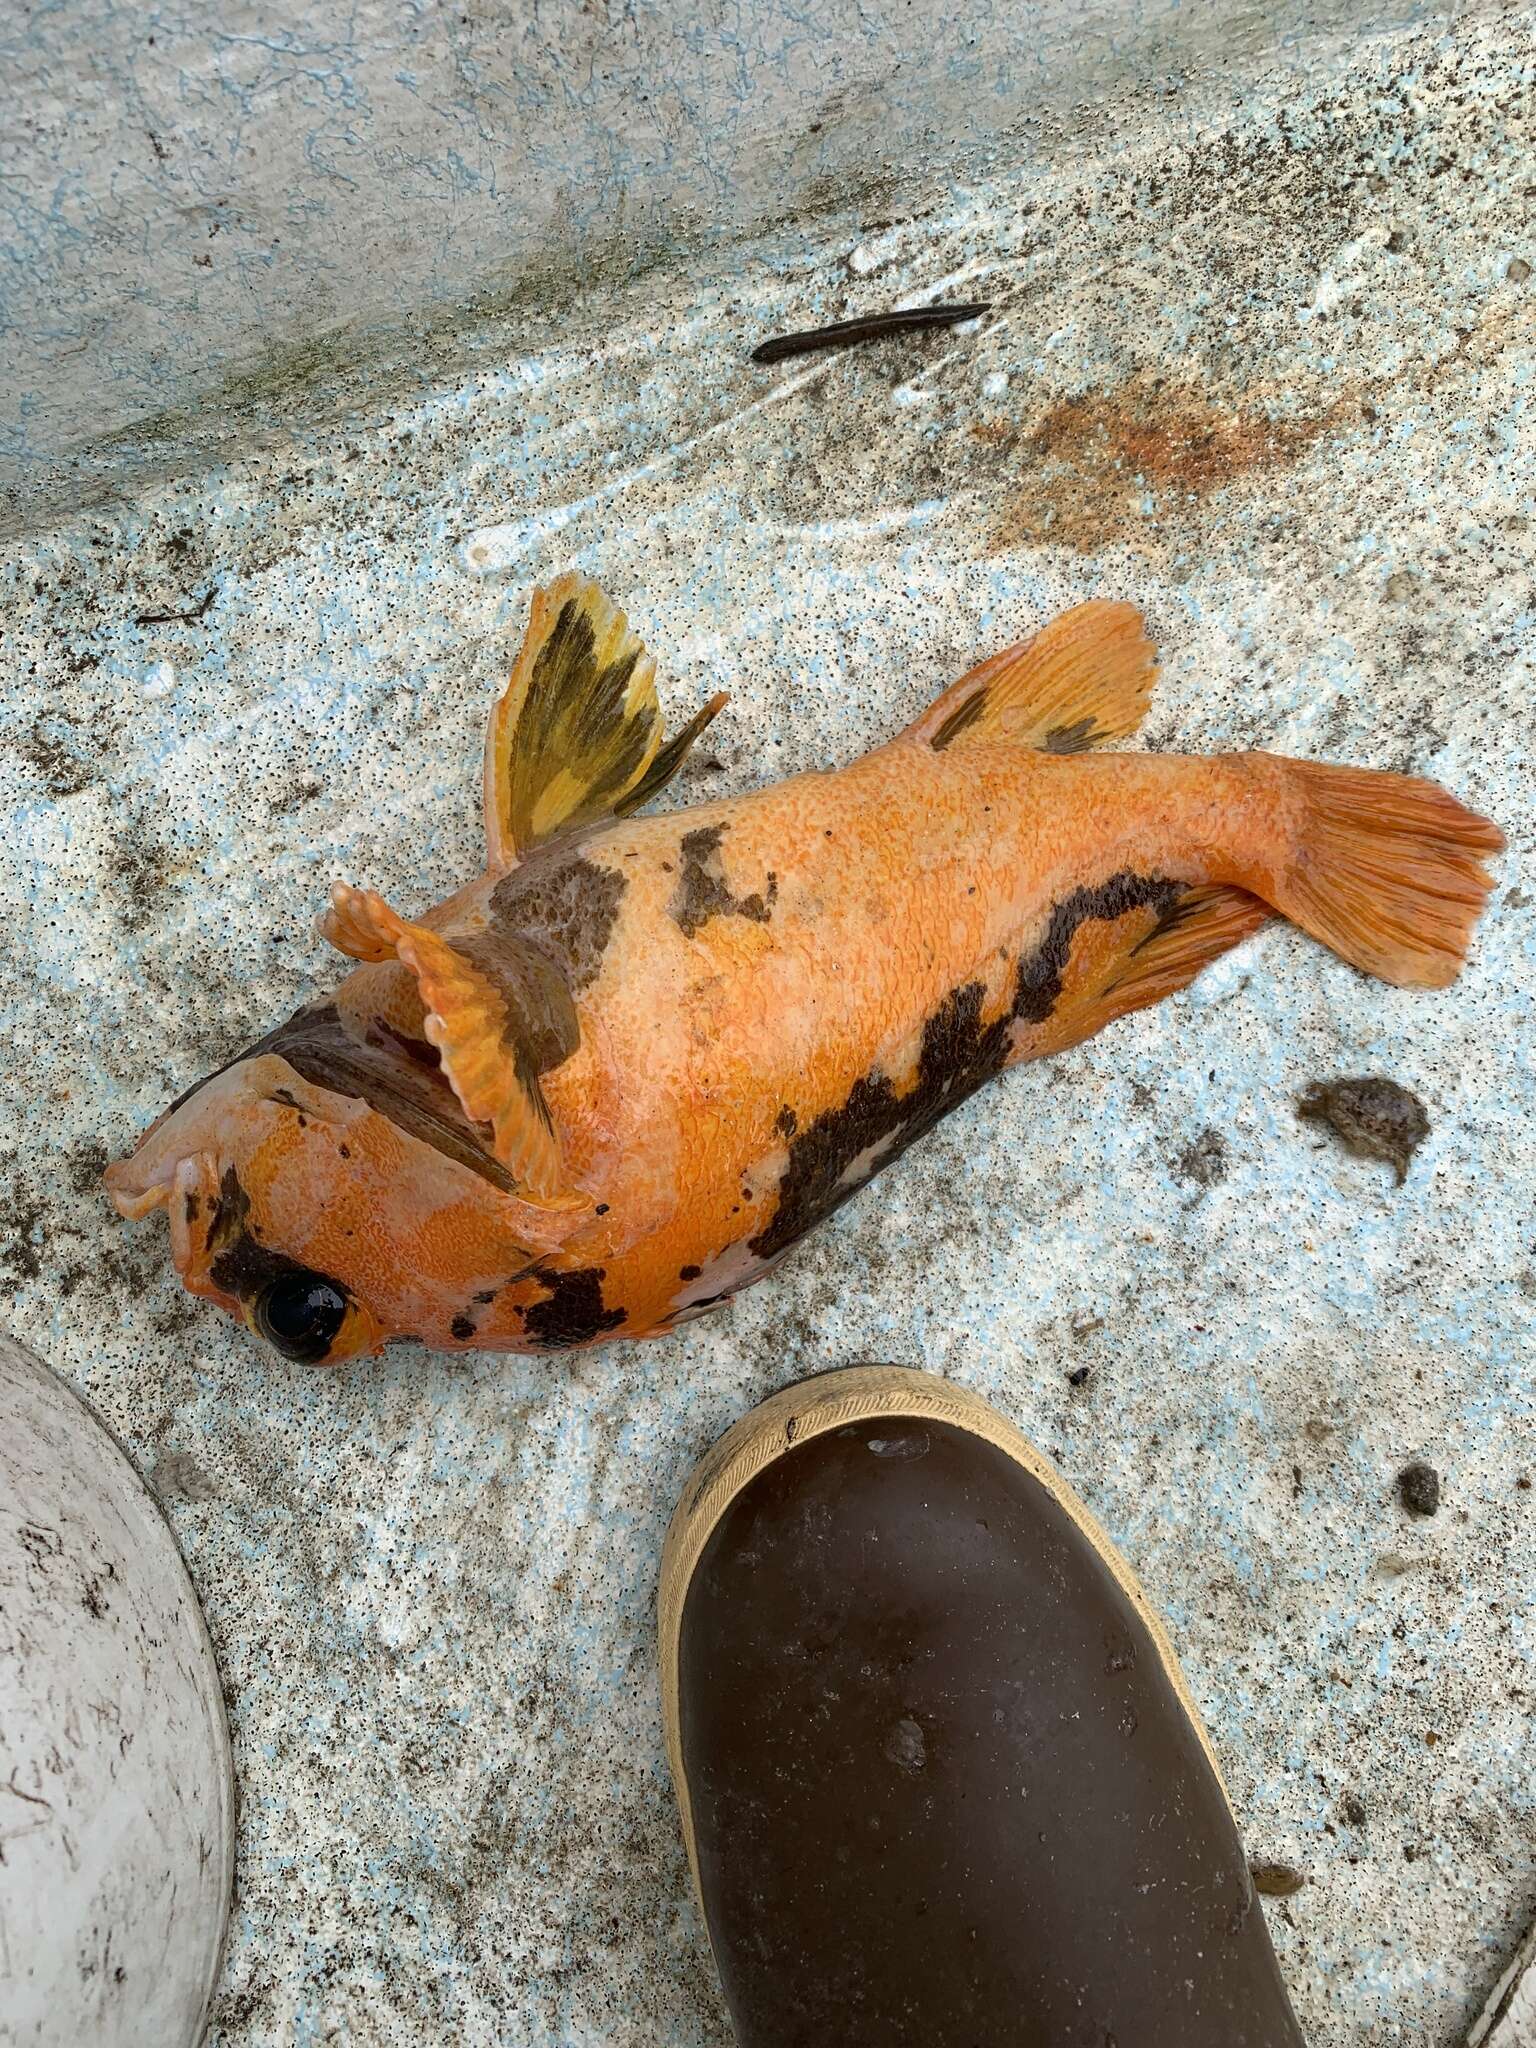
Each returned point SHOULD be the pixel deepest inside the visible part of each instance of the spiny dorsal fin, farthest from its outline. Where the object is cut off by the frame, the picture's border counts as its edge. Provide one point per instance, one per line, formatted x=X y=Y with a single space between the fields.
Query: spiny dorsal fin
x=1082 y=680
x=468 y=1021
x=576 y=734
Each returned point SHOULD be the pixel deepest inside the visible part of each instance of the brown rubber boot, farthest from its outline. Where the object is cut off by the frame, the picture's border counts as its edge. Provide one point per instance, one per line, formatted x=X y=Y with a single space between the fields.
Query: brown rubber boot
x=941 y=1780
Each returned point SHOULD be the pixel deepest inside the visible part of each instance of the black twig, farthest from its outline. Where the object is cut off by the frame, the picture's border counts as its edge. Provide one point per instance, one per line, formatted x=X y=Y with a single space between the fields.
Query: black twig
x=868 y=327
x=176 y=618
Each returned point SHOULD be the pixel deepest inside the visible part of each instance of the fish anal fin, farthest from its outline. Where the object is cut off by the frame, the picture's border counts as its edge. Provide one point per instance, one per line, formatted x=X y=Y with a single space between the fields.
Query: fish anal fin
x=1131 y=970
x=576 y=735
x=466 y=1019
x=1083 y=680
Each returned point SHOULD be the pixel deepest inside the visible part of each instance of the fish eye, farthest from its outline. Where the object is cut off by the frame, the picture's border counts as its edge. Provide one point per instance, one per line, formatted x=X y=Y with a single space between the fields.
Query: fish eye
x=299 y=1314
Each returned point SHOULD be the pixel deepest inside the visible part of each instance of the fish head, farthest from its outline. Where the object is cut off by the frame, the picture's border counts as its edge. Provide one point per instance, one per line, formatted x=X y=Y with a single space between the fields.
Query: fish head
x=319 y=1223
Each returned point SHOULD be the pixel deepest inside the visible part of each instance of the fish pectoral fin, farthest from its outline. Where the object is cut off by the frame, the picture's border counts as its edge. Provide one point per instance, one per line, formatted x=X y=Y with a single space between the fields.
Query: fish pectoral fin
x=352 y=926
x=577 y=733
x=468 y=1022
x=1205 y=921
x=1083 y=680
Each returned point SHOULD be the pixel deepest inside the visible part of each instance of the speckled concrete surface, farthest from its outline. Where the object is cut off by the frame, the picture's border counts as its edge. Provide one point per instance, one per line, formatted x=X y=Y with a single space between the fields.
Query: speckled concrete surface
x=214 y=218
x=1272 y=377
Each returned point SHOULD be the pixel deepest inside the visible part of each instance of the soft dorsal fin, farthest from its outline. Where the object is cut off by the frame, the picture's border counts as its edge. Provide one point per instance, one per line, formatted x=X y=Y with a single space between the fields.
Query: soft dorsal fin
x=468 y=1021
x=1082 y=680
x=576 y=734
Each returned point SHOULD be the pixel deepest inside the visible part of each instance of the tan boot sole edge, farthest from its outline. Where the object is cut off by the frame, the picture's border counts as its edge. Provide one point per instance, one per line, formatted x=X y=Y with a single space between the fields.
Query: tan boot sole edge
x=858 y=1393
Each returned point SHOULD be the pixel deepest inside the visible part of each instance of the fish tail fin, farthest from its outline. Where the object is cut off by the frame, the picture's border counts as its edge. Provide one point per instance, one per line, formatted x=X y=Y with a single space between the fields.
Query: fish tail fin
x=1083 y=680
x=1384 y=869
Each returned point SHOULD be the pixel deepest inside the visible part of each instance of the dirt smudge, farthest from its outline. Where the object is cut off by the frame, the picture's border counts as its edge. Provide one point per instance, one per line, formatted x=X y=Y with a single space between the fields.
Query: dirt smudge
x=1087 y=467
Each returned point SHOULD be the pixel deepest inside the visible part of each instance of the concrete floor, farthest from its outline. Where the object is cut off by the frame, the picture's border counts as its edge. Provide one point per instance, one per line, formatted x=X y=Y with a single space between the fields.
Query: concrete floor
x=1273 y=378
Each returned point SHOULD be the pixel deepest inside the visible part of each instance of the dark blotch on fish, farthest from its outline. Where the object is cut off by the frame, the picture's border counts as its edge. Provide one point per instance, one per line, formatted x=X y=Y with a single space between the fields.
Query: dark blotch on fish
x=689 y=1272
x=957 y=1056
x=574 y=1312
x=1372 y=1118
x=786 y=1123
x=1040 y=976
x=963 y=716
x=462 y=1328
x=701 y=891
x=563 y=904
x=241 y=1265
x=542 y=1029
x=1076 y=738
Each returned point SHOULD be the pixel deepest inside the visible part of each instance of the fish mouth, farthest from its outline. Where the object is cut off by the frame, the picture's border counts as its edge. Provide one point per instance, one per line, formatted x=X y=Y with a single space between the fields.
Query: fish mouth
x=144 y=1179
x=133 y=1193
x=187 y=1189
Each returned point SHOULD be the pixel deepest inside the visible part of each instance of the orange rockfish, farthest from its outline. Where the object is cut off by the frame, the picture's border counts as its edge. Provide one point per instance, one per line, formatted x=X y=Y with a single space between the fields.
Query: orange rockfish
x=617 y=1077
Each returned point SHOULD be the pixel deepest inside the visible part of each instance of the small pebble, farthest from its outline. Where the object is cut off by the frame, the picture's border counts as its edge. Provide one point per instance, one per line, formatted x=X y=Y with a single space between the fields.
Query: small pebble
x=160 y=681
x=1276 y=1880
x=906 y=1748
x=1418 y=1488
x=1519 y=270
x=994 y=384
x=1372 y=1118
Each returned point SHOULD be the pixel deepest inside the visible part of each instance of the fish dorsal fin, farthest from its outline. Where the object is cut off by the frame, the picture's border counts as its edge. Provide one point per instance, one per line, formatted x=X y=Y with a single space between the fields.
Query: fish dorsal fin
x=1084 y=679
x=577 y=733
x=469 y=1022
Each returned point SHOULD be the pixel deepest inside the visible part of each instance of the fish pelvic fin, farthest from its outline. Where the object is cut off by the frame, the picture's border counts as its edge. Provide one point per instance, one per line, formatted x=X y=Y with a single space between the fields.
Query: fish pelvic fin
x=576 y=735
x=1083 y=680
x=1384 y=869
x=468 y=1020
x=1202 y=922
